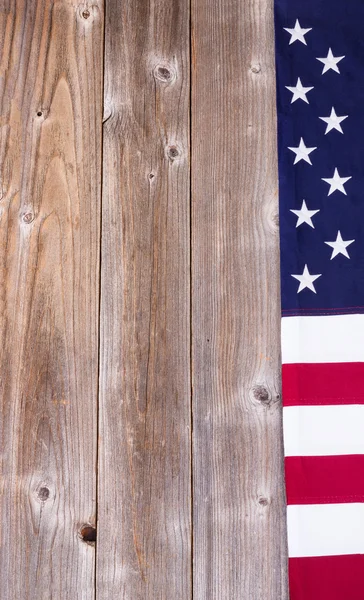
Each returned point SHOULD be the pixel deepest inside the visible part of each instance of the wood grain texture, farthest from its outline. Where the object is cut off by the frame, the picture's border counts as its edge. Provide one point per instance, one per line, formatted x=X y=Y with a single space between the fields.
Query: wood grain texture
x=50 y=180
x=239 y=526
x=144 y=512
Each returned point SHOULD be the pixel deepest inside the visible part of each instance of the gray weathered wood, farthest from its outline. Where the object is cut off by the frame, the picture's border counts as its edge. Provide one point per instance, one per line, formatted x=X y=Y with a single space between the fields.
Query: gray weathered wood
x=144 y=522
x=50 y=180
x=239 y=527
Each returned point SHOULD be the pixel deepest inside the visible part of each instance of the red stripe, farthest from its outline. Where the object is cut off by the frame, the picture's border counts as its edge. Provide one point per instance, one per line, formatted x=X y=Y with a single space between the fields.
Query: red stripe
x=327 y=578
x=323 y=383
x=324 y=479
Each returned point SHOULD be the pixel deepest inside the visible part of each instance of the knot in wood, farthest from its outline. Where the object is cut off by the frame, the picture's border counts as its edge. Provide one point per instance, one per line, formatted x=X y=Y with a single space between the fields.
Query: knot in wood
x=88 y=533
x=263 y=501
x=173 y=152
x=28 y=218
x=256 y=68
x=43 y=494
x=164 y=73
x=86 y=13
x=261 y=394
x=275 y=219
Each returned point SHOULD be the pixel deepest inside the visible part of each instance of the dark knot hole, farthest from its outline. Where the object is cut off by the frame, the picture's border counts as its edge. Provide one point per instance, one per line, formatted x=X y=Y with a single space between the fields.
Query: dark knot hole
x=88 y=533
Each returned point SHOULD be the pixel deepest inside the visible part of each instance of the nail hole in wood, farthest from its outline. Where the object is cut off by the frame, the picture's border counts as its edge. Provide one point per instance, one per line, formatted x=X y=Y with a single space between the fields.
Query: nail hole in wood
x=39 y=113
x=88 y=533
x=151 y=175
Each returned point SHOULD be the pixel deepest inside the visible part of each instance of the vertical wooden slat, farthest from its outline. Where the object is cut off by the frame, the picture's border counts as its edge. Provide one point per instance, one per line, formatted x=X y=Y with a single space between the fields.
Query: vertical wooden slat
x=239 y=540
x=143 y=547
x=50 y=180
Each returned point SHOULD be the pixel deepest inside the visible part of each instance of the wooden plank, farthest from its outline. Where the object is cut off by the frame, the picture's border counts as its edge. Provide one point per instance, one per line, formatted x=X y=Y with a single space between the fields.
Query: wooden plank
x=239 y=539
x=50 y=180
x=144 y=531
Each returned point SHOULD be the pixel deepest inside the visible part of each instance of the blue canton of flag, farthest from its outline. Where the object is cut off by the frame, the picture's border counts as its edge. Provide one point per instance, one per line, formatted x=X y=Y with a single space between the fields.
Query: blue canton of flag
x=320 y=95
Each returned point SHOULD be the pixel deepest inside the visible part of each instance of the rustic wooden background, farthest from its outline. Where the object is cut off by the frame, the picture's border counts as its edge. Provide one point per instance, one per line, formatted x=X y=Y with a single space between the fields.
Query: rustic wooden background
x=140 y=425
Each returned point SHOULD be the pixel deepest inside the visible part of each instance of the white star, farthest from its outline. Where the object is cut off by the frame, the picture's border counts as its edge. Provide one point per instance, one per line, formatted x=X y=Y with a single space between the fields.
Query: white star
x=304 y=215
x=302 y=152
x=297 y=33
x=339 y=246
x=333 y=121
x=336 y=183
x=330 y=62
x=306 y=280
x=299 y=92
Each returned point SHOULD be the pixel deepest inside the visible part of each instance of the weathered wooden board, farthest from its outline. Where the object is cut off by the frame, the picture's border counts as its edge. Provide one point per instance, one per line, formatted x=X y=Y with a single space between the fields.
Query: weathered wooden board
x=239 y=539
x=50 y=187
x=50 y=181
x=144 y=513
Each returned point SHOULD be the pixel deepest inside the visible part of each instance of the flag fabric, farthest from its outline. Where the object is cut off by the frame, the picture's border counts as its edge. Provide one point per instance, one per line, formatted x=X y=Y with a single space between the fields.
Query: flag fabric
x=320 y=107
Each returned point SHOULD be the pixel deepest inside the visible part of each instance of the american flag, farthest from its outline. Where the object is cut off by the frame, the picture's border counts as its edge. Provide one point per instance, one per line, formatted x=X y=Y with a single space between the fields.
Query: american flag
x=320 y=102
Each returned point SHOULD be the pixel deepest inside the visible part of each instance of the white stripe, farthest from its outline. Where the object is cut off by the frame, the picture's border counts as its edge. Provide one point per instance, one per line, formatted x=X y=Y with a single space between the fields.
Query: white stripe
x=333 y=338
x=325 y=529
x=323 y=430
